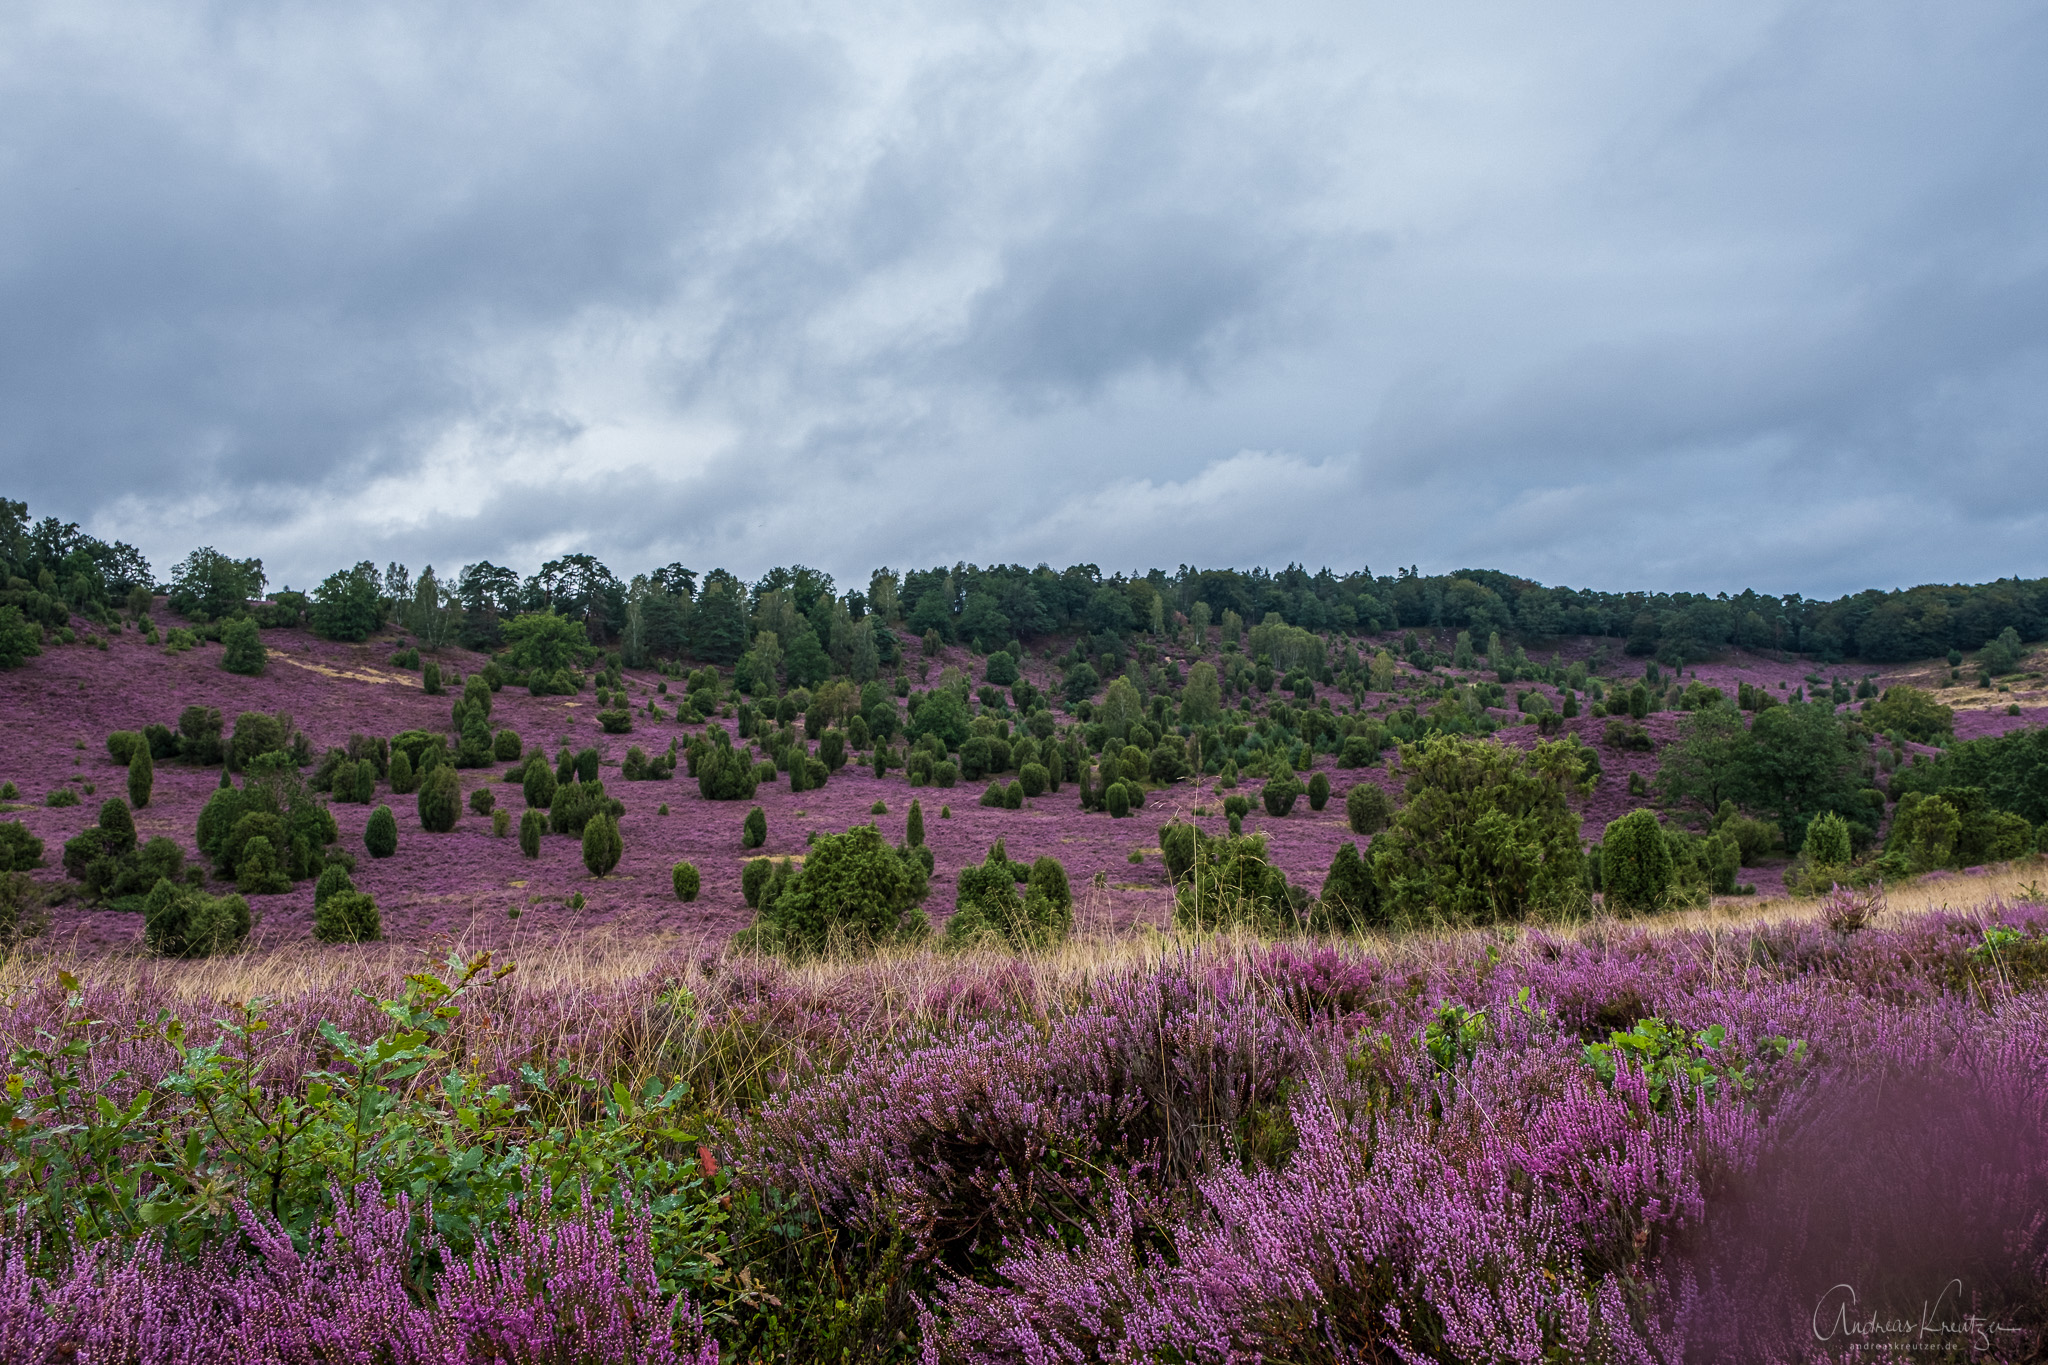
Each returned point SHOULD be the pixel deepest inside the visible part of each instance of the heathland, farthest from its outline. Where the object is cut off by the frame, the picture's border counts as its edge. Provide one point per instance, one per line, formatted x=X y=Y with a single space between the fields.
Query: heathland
x=994 y=965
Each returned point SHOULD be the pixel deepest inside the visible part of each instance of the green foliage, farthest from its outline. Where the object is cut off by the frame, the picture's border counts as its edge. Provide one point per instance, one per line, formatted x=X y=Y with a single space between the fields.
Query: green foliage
x=1279 y=794
x=2002 y=655
x=20 y=638
x=1675 y=1066
x=1827 y=842
x=854 y=893
x=1792 y=763
x=723 y=772
x=380 y=834
x=256 y=734
x=342 y=914
x=141 y=777
x=1367 y=808
x=603 y=845
x=182 y=921
x=1230 y=882
x=990 y=913
x=544 y=644
x=349 y=605
x=754 y=830
x=20 y=849
x=532 y=824
x=578 y=803
x=258 y=871
x=538 y=785
x=244 y=652
x=482 y=801
x=1911 y=714
x=440 y=800
x=1635 y=864
x=913 y=829
x=122 y=744
x=1318 y=791
x=683 y=877
x=1001 y=669
x=403 y=780
x=1350 y=902
x=753 y=877
x=1117 y=801
x=942 y=714
x=2012 y=773
x=506 y=746
x=1486 y=833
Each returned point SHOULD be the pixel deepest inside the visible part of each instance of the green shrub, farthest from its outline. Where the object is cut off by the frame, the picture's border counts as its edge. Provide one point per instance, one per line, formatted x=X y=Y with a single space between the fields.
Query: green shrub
x=913 y=829
x=117 y=825
x=440 y=800
x=403 y=782
x=141 y=777
x=482 y=801
x=63 y=796
x=122 y=744
x=20 y=849
x=1827 y=842
x=538 y=786
x=615 y=721
x=992 y=795
x=380 y=835
x=258 y=871
x=578 y=803
x=1635 y=864
x=853 y=893
x=989 y=912
x=347 y=916
x=244 y=651
x=754 y=829
x=430 y=678
x=181 y=921
x=1013 y=797
x=1279 y=794
x=501 y=823
x=532 y=825
x=753 y=877
x=1231 y=882
x=945 y=774
x=1350 y=902
x=1117 y=800
x=1367 y=808
x=603 y=846
x=1318 y=791
x=506 y=747
x=1488 y=832
x=683 y=876
x=1034 y=779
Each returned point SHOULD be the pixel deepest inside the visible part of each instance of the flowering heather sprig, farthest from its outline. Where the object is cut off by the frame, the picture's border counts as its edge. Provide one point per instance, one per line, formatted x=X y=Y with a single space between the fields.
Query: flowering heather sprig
x=569 y=1290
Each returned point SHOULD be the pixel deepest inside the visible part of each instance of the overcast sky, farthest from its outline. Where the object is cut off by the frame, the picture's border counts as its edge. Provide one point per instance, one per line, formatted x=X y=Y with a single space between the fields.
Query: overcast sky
x=1694 y=296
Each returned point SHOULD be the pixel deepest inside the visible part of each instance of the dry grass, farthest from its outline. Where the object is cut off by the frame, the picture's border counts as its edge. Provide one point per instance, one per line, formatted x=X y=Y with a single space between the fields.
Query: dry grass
x=906 y=975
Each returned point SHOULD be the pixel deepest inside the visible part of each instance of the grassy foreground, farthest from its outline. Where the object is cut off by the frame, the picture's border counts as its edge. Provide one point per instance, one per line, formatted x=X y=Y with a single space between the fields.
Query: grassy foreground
x=1602 y=1140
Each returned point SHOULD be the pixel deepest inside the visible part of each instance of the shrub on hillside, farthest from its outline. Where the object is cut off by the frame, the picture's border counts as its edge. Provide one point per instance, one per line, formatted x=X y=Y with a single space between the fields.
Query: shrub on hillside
x=989 y=912
x=1279 y=794
x=1367 y=808
x=683 y=877
x=1230 y=883
x=440 y=800
x=141 y=777
x=244 y=652
x=577 y=803
x=20 y=849
x=1487 y=832
x=603 y=845
x=1350 y=902
x=854 y=893
x=182 y=921
x=1318 y=791
x=532 y=825
x=380 y=835
x=1635 y=864
x=754 y=829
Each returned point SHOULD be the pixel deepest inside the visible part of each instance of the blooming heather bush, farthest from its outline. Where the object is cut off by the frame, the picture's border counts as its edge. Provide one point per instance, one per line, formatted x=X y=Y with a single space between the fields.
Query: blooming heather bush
x=555 y=1289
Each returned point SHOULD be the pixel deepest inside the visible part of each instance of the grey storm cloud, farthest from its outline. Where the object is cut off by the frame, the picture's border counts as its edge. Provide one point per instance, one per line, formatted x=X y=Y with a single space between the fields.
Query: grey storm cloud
x=1708 y=297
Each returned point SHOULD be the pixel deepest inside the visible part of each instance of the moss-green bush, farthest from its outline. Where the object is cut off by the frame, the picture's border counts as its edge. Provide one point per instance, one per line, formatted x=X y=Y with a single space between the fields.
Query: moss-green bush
x=683 y=876
x=380 y=835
